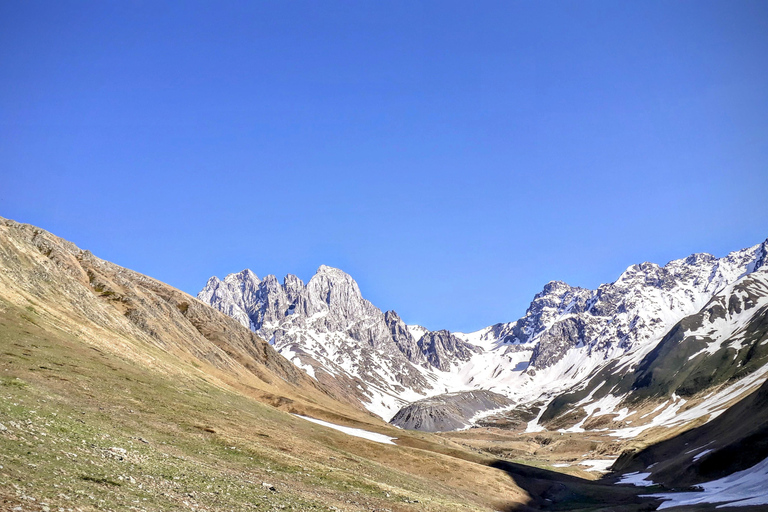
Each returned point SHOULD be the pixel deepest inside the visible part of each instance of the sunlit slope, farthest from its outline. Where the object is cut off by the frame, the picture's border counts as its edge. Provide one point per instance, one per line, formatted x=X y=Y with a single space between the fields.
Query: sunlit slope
x=85 y=428
x=119 y=392
x=134 y=316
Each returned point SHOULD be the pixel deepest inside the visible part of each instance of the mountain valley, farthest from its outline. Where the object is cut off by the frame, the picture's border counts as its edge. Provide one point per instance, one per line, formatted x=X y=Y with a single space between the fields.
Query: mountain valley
x=631 y=352
x=120 y=392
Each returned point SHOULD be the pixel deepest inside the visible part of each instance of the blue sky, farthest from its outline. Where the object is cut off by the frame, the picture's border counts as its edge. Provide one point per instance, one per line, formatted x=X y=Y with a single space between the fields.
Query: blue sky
x=453 y=157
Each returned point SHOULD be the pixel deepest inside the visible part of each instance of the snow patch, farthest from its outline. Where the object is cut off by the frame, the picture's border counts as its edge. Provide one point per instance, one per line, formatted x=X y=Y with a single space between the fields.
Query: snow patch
x=601 y=465
x=636 y=478
x=740 y=489
x=700 y=455
x=357 y=432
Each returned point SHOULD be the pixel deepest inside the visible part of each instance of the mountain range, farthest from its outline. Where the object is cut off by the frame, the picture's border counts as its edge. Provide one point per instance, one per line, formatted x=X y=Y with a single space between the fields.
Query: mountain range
x=656 y=338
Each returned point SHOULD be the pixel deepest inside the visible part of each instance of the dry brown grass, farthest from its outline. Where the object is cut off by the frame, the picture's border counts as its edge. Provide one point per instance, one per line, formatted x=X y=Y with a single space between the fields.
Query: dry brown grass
x=107 y=357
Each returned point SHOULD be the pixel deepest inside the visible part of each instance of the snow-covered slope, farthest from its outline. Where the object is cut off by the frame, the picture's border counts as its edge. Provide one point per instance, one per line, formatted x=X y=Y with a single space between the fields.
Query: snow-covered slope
x=547 y=361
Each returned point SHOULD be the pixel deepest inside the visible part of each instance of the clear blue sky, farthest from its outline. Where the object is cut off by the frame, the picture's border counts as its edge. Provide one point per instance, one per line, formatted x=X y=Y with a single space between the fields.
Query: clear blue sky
x=453 y=157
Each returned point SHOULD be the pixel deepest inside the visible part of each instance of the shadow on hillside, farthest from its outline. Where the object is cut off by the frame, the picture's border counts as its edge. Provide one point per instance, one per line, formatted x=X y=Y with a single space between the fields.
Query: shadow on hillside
x=550 y=490
x=735 y=440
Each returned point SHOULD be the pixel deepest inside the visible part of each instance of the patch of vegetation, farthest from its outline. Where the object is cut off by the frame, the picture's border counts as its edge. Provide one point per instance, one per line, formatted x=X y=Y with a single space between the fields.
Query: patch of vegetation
x=28 y=318
x=100 y=480
x=12 y=382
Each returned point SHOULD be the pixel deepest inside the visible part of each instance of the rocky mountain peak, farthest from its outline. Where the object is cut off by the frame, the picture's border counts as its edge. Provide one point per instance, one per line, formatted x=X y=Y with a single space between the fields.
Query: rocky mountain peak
x=212 y=282
x=554 y=288
x=293 y=287
x=761 y=256
x=392 y=315
x=444 y=350
x=333 y=275
x=246 y=275
x=292 y=281
x=327 y=325
x=639 y=273
x=699 y=258
x=334 y=291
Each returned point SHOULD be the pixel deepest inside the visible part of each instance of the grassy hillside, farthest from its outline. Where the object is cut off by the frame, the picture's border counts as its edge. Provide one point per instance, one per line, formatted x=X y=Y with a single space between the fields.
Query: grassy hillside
x=118 y=392
x=86 y=429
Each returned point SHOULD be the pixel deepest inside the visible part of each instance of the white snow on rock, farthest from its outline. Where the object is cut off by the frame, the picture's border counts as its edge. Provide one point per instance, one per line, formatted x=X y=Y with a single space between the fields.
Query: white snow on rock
x=601 y=465
x=702 y=454
x=636 y=478
x=740 y=489
x=357 y=432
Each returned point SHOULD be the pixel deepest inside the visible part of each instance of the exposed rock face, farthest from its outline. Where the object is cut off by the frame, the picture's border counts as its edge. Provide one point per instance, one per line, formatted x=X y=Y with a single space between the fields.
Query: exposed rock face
x=450 y=411
x=555 y=300
x=402 y=336
x=557 y=340
x=443 y=349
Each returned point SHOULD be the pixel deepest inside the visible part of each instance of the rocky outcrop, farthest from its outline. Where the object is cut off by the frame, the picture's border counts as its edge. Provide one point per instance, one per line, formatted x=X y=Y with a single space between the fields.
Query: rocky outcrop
x=552 y=302
x=450 y=411
x=557 y=340
x=403 y=338
x=444 y=350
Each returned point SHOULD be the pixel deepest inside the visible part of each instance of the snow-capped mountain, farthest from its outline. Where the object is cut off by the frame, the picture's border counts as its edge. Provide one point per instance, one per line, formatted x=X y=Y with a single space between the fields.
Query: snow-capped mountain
x=567 y=337
x=327 y=328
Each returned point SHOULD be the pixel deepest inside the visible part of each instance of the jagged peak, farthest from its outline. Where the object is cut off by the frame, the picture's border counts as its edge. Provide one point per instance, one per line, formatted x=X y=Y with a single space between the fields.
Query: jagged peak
x=270 y=282
x=243 y=275
x=699 y=257
x=761 y=255
x=291 y=279
x=325 y=269
x=392 y=314
x=555 y=287
x=212 y=282
x=333 y=275
x=638 y=268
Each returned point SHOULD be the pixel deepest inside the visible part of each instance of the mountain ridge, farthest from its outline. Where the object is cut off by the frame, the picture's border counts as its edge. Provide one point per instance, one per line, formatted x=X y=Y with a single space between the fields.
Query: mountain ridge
x=565 y=337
